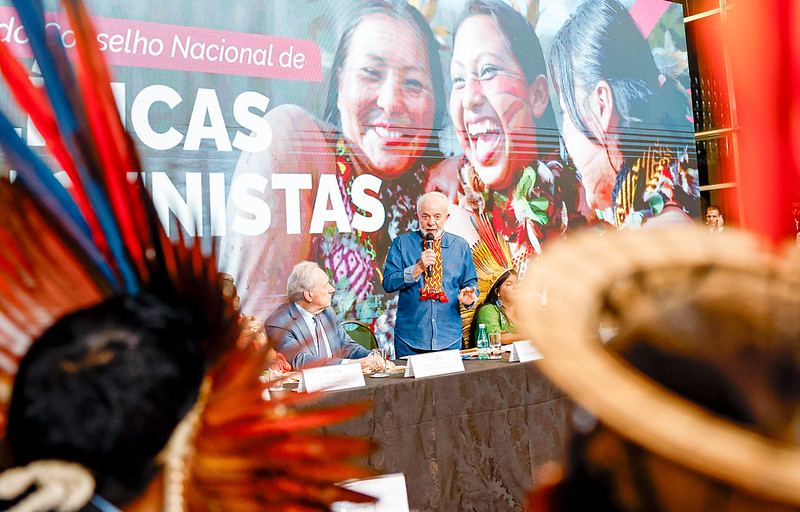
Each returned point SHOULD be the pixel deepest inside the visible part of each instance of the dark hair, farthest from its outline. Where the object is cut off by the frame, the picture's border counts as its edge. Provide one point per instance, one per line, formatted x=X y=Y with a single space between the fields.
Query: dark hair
x=492 y=296
x=600 y=41
x=105 y=387
x=401 y=11
x=527 y=51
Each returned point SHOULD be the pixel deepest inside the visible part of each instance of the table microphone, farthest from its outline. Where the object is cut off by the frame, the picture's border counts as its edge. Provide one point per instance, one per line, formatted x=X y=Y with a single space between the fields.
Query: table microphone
x=429 y=245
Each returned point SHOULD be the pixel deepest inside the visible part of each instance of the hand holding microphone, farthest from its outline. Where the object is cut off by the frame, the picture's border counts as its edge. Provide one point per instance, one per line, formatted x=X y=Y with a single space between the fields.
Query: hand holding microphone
x=429 y=246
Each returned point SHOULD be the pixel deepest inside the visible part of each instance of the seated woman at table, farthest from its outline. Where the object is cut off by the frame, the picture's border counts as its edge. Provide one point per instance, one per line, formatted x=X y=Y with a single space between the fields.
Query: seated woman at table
x=251 y=332
x=498 y=312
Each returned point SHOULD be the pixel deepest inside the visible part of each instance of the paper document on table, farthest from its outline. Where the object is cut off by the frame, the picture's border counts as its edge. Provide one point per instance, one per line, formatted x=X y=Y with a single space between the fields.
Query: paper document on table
x=331 y=378
x=434 y=363
x=389 y=489
x=524 y=351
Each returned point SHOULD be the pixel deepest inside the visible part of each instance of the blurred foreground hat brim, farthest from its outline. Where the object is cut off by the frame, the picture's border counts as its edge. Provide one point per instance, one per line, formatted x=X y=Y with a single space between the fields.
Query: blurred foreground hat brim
x=577 y=277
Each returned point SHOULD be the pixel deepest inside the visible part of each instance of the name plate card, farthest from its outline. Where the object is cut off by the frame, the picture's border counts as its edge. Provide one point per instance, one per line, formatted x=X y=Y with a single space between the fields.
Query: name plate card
x=331 y=378
x=434 y=363
x=389 y=489
x=524 y=351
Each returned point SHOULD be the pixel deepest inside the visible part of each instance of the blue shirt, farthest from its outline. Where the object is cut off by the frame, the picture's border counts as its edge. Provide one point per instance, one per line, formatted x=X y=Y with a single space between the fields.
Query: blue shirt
x=430 y=324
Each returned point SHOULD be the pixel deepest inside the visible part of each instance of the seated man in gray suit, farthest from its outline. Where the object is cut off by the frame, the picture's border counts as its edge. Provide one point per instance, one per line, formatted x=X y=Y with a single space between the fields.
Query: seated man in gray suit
x=306 y=330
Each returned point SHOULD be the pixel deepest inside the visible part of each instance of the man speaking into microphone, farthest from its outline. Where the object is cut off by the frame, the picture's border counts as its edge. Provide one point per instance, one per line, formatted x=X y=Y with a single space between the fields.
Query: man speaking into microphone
x=435 y=275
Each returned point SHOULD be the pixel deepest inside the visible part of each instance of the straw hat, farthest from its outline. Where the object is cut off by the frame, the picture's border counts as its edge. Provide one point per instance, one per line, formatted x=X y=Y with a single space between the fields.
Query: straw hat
x=600 y=284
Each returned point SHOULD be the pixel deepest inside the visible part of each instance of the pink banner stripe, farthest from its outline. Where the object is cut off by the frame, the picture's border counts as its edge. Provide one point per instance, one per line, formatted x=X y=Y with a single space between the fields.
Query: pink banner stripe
x=646 y=14
x=161 y=46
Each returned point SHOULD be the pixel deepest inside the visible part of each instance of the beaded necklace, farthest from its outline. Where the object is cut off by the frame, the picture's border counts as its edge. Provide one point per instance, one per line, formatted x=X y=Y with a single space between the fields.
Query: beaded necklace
x=526 y=217
x=646 y=186
x=398 y=196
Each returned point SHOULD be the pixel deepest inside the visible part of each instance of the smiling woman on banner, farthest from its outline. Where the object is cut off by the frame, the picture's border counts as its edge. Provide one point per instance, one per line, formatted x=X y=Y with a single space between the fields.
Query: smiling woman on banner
x=500 y=107
x=369 y=160
x=386 y=97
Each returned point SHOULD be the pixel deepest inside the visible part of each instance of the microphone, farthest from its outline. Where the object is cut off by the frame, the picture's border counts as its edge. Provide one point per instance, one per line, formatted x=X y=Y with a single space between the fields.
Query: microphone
x=429 y=245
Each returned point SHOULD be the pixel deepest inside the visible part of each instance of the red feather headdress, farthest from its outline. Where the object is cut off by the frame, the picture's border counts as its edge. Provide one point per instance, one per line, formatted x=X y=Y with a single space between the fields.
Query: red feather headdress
x=492 y=257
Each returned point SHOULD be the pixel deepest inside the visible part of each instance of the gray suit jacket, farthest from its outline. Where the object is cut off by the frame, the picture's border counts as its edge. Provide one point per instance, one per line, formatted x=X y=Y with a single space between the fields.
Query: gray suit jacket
x=289 y=334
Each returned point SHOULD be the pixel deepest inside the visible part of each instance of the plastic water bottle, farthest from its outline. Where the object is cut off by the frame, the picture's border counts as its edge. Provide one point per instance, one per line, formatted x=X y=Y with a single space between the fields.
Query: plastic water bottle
x=482 y=342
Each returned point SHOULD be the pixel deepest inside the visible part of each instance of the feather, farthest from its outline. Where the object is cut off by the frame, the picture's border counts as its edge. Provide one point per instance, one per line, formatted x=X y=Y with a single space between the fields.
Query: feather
x=94 y=177
x=41 y=279
x=33 y=101
x=241 y=436
x=64 y=96
x=496 y=246
x=46 y=190
x=106 y=126
x=64 y=252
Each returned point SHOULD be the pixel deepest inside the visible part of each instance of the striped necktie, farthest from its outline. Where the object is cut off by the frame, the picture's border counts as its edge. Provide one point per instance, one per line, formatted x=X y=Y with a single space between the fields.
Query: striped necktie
x=323 y=348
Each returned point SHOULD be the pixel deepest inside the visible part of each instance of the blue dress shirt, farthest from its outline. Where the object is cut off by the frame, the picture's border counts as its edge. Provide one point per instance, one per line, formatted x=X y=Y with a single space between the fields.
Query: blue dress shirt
x=431 y=324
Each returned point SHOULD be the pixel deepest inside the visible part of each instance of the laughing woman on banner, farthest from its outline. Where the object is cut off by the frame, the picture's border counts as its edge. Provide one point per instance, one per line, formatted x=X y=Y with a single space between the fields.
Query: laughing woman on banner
x=373 y=151
x=620 y=113
x=500 y=107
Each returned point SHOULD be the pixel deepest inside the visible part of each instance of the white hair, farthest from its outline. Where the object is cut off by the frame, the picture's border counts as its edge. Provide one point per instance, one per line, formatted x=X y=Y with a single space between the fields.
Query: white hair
x=300 y=279
x=430 y=195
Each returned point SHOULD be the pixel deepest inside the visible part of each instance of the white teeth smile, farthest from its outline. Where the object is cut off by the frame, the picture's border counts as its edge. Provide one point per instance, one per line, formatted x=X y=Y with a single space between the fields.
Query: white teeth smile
x=480 y=128
x=383 y=132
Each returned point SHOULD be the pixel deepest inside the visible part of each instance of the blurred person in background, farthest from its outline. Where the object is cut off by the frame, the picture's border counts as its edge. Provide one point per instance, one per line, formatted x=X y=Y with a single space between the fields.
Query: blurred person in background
x=714 y=219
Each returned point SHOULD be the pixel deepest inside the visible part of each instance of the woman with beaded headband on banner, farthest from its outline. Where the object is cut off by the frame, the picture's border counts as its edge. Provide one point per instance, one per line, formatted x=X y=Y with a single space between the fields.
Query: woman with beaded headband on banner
x=122 y=381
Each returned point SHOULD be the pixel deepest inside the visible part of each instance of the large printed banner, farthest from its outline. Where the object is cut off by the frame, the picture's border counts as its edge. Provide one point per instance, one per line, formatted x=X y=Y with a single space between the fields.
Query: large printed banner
x=181 y=48
x=285 y=130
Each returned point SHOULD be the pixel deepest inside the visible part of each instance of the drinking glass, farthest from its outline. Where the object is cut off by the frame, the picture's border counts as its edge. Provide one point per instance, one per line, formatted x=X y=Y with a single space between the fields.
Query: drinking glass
x=380 y=372
x=275 y=375
x=495 y=346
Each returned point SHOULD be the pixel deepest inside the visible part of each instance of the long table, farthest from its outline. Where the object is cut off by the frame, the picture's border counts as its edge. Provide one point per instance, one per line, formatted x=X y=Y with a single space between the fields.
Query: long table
x=465 y=441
